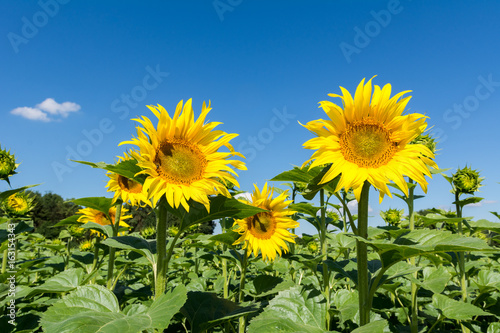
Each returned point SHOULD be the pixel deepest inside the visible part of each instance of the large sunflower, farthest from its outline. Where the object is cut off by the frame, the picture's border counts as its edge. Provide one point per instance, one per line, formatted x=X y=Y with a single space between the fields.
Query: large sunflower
x=125 y=188
x=180 y=156
x=369 y=140
x=94 y=215
x=267 y=231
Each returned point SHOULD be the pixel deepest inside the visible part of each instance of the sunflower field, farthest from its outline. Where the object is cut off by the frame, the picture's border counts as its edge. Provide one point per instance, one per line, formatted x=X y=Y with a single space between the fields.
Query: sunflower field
x=424 y=271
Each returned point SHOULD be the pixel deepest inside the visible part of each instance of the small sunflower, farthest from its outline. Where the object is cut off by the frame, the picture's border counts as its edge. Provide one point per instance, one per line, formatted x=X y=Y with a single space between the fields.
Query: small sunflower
x=267 y=231
x=368 y=140
x=7 y=164
x=18 y=204
x=466 y=180
x=94 y=215
x=86 y=246
x=180 y=156
x=125 y=188
x=392 y=216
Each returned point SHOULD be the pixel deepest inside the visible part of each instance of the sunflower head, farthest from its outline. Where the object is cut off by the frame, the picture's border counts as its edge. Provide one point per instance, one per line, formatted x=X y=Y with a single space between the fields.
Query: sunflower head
x=466 y=180
x=8 y=164
x=313 y=247
x=94 y=215
x=86 y=246
x=173 y=231
x=76 y=231
x=392 y=216
x=267 y=231
x=367 y=139
x=426 y=140
x=180 y=156
x=18 y=204
x=126 y=189
x=148 y=232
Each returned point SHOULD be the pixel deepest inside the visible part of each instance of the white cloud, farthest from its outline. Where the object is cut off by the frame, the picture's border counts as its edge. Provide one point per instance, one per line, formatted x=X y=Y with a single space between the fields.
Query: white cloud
x=48 y=107
x=482 y=203
x=31 y=113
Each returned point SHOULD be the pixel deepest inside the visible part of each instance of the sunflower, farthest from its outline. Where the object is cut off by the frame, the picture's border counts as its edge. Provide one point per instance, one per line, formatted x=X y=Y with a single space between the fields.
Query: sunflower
x=94 y=215
x=18 y=204
x=368 y=140
x=267 y=231
x=180 y=156
x=7 y=164
x=125 y=188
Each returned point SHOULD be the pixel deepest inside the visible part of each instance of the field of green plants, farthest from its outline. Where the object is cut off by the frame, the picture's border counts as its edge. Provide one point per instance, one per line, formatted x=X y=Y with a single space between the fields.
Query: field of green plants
x=424 y=271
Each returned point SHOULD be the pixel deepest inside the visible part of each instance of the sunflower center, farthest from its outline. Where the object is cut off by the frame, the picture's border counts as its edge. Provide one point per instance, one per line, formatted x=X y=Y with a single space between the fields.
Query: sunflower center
x=180 y=162
x=367 y=144
x=262 y=225
x=100 y=218
x=129 y=185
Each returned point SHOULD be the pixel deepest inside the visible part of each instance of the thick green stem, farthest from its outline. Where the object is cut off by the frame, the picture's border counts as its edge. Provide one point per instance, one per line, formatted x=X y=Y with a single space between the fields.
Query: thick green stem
x=244 y=262
x=161 y=248
x=414 y=287
x=324 y=253
x=112 y=250
x=461 y=257
x=4 y=261
x=362 y=257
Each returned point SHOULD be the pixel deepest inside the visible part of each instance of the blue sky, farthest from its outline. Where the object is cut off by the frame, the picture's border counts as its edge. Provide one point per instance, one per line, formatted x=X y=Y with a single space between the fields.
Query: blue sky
x=264 y=66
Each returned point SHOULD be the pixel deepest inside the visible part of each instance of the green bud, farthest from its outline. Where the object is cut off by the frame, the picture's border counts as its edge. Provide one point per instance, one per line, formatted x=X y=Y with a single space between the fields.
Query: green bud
x=466 y=181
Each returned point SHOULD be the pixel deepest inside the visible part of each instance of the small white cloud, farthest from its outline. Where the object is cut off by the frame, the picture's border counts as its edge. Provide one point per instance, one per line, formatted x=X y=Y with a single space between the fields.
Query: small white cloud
x=31 y=113
x=353 y=207
x=48 y=107
x=482 y=203
x=244 y=195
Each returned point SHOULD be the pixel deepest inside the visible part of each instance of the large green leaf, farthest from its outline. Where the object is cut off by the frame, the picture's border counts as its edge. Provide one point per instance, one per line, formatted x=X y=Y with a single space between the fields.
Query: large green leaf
x=228 y=237
x=457 y=310
x=93 y=308
x=204 y=310
x=292 y=310
x=5 y=194
x=105 y=229
x=346 y=302
x=378 y=326
x=295 y=175
x=60 y=283
x=264 y=285
x=435 y=280
x=20 y=227
x=102 y=204
x=487 y=280
x=484 y=224
x=126 y=168
x=423 y=242
x=147 y=248
x=220 y=207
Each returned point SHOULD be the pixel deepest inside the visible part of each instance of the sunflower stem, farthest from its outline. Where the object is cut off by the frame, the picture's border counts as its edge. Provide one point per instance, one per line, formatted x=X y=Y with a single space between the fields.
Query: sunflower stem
x=96 y=257
x=414 y=288
x=112 y=250
x=324 y=253
x=4 y=261
x=224 y=262
x=461 y=258
x=244 y=263
x=161 y=248
x=362 y=257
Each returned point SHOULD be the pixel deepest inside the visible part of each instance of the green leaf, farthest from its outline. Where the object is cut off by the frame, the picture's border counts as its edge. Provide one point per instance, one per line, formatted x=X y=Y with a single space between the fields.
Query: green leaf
x=105 y=229
x=93 y=308
x=314 y=185
x=60 y=283
x=68 y=221
x=305 y=208
x=5 y=194
x=136 y=244
x=487 y=281
x=435 y=280
x=126 y=168
x=265 y=285
x=483 y=224
x=378 y=326
x=20 y=227
x=347 y=303
x=452 y=309
x=295 y=175
x=102 y=204
x=493 y=328
x=166 y=306
x=423 y=242
x=220 y=207
x=292 y=310
x=204 y=310
x=468 y=201
x=228 y=238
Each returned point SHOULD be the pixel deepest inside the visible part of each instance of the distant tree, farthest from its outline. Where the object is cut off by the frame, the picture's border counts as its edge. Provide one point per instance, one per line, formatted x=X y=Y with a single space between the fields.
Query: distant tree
x=49 y=209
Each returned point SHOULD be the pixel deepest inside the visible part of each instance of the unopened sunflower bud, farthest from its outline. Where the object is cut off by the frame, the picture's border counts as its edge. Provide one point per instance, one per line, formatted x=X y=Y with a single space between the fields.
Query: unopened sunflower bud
x=466 y=180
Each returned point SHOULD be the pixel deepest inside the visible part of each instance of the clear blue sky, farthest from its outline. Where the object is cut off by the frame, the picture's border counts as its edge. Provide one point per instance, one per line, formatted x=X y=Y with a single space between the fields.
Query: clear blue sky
x=264 y=65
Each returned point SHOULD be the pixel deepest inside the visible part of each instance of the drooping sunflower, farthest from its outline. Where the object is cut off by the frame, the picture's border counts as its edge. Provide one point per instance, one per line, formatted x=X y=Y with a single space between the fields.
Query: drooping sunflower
x=367 y=139
x=94 y=215
x=267 y=231
x=125 y=188
x=18 y=204
x=180 y=156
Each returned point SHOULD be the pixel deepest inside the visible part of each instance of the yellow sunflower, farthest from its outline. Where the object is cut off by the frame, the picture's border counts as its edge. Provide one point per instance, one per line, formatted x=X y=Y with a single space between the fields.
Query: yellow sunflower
x=125 y=188
x=18 y=204
x=267 y=231
x=368 y=139
x=180 y=156
x=93 y=215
